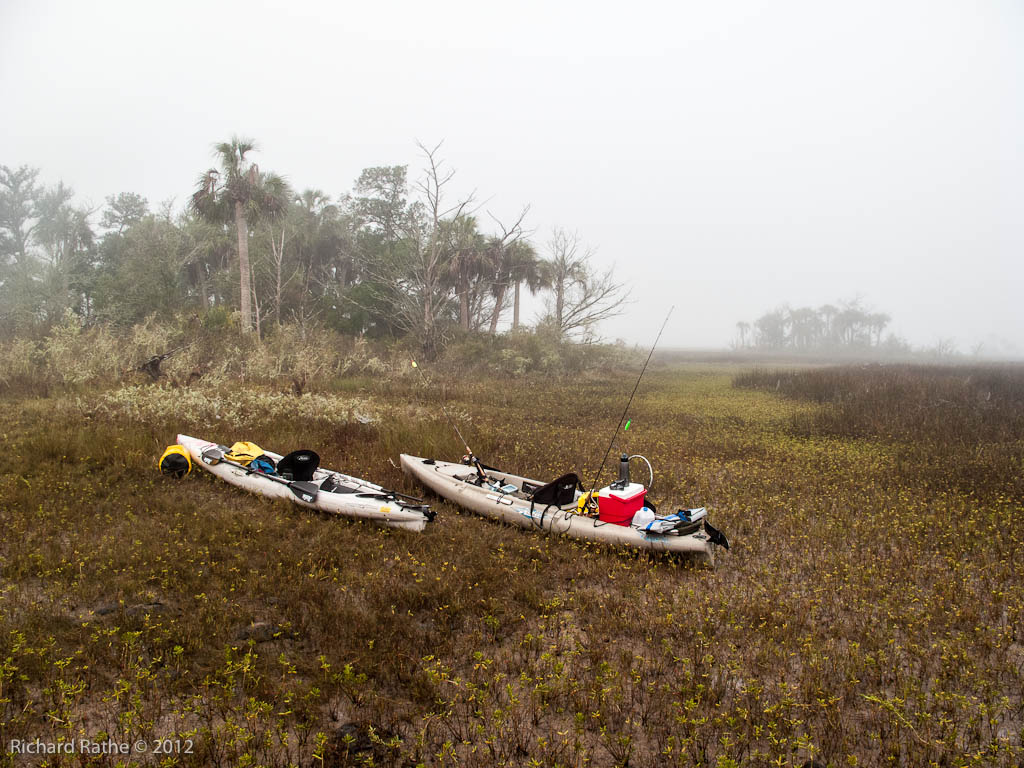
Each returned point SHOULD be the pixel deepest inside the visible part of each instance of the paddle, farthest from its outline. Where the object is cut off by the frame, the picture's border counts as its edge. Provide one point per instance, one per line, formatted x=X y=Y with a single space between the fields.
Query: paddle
x=424 y=509
x=377 y=491
x=402 y=495
x=302 y=489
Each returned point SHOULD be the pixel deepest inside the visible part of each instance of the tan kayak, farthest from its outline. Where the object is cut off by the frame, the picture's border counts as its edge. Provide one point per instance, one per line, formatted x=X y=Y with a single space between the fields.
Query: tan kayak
x=544 y=507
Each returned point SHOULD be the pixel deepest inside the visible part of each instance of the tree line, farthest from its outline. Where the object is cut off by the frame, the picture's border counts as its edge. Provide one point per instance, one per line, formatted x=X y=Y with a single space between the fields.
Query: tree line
x=391 y=257
x=830 y=327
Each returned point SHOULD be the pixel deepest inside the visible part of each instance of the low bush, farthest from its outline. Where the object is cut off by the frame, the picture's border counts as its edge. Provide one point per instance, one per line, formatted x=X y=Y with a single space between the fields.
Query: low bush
x=183 y=350
x=531 y=352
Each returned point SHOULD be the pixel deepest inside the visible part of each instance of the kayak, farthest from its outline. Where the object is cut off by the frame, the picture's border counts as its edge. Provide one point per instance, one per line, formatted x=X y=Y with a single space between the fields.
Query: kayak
x=528 y=504
x=328 y=491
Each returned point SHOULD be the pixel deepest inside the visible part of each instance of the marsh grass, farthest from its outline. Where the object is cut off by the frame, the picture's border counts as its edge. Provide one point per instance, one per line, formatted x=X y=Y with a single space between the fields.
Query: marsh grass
x=869 y=613
x=957 y=426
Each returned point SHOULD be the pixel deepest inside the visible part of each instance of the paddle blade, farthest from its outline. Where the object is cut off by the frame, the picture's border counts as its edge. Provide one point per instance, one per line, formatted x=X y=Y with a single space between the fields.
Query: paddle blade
x=304 y=491
x=213 y=456
x=715 y=536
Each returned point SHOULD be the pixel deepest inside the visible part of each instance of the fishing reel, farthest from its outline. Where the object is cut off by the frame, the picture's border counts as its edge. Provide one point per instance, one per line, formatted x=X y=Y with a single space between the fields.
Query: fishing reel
x=470 y=460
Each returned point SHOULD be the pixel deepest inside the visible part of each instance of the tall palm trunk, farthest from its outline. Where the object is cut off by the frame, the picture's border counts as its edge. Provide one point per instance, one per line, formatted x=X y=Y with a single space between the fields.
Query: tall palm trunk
x=243 y=266
x=515 y=307
x=464 y=302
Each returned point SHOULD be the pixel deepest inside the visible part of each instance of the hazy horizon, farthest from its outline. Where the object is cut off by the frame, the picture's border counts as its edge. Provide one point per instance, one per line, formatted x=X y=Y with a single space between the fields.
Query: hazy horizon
x=727 y=159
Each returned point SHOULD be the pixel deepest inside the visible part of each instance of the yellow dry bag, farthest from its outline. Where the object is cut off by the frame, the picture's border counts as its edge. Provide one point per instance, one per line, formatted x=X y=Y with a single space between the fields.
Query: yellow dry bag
x=176 y=461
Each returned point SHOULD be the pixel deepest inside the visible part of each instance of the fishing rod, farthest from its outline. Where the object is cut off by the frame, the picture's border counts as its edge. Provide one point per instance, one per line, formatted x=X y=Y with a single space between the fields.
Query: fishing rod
x=470 y=456
x=611 y=443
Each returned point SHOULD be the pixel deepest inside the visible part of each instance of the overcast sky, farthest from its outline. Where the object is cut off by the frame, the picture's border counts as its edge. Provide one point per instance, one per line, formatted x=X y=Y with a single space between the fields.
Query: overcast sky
x=725 y=157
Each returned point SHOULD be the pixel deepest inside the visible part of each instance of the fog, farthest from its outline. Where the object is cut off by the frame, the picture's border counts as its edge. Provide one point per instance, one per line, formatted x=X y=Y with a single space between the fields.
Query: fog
x=725 y=158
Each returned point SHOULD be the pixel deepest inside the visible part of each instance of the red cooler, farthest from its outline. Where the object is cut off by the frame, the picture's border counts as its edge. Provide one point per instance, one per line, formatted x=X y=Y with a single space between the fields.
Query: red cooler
x=618 y=506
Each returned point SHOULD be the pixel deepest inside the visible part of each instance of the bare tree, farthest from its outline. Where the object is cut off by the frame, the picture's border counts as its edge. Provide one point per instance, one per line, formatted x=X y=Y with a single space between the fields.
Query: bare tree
x=581 y=298
x=877 y=321
x=413 y=282
x=944 y=348
x=432 y=252
x=277 y=245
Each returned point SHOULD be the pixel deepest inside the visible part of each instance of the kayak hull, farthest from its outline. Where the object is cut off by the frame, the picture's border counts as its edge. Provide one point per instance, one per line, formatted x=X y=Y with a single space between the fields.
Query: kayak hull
x=366 y=501
x=445 y=479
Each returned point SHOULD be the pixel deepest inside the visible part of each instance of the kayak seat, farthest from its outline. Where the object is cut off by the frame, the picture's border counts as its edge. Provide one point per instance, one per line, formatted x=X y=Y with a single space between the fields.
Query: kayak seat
x=299 y=465
x=558 y=492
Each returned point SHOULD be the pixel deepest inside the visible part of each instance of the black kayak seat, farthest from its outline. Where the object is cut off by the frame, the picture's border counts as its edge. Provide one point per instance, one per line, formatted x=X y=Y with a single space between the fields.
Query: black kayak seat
x=558 y=492
x=299 y=465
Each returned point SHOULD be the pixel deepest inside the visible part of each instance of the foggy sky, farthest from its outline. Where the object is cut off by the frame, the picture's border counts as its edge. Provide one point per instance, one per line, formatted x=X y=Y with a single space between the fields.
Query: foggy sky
x=726 y=157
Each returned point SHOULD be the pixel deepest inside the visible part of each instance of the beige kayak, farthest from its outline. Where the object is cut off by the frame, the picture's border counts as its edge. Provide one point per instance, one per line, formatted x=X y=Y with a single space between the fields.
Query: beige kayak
x=507 y=498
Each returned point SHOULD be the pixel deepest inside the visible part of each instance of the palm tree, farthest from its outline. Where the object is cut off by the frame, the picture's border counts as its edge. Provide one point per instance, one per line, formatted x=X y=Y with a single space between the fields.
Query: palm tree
x=241 y=194
x=771 y=329
x=466 y=260
x=805 y=327
x=317 y=222
x=744 y=328
x=524 y=266
x=209 y=249
x=828 y=314
x=507 y=260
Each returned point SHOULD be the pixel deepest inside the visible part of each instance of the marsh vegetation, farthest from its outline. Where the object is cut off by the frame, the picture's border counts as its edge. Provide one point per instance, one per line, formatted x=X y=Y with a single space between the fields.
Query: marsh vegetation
x=869 y=612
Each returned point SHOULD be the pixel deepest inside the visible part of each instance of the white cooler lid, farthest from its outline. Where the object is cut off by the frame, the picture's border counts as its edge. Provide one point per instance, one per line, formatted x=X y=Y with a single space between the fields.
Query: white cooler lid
x=628 y=493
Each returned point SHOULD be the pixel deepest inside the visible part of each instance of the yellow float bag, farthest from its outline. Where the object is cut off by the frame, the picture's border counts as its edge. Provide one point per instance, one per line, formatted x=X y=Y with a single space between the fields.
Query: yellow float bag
x=244 y=453
x=176 y=461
